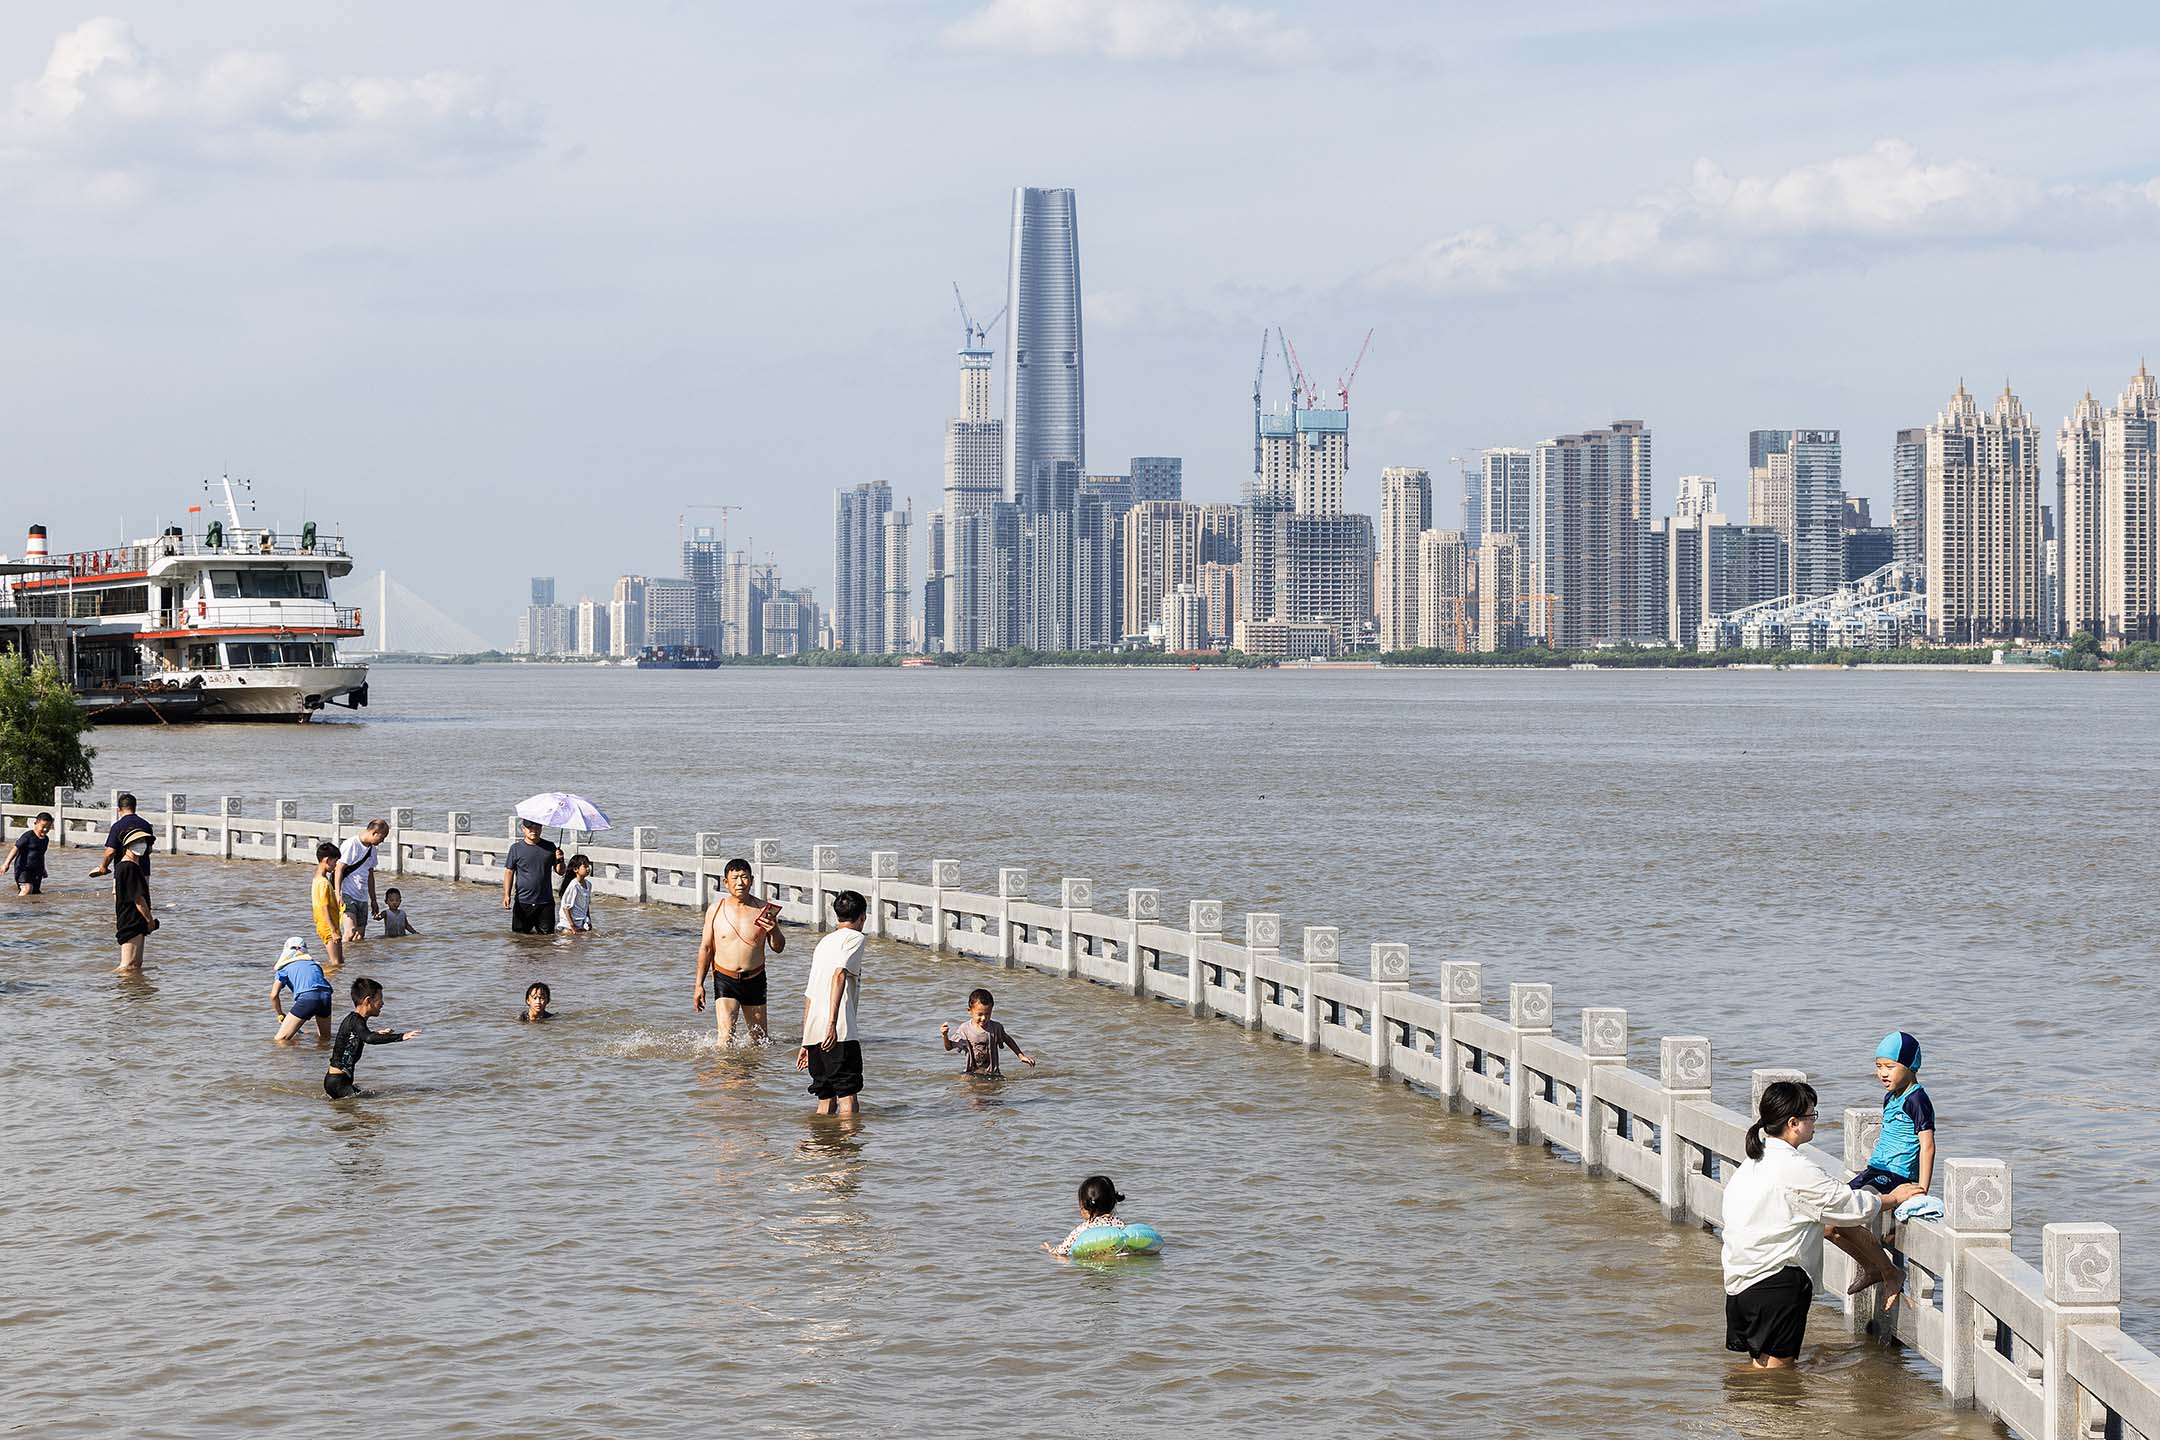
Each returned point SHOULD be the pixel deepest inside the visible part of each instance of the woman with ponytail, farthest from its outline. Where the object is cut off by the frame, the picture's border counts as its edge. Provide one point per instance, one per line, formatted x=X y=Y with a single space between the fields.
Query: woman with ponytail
x=1777 y=1207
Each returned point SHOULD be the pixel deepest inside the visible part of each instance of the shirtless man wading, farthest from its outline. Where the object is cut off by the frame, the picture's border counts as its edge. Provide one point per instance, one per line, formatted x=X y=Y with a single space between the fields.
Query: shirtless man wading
x=733 y=950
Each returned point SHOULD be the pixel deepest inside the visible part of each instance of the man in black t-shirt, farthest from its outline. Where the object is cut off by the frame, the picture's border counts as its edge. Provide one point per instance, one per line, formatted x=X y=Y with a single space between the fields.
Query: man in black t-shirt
x=132 y=920
x=528 y=882
x=126 y=824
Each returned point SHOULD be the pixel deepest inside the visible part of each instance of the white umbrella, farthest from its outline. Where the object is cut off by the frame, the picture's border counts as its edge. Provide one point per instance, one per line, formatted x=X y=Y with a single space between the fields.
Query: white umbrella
x=564 y=811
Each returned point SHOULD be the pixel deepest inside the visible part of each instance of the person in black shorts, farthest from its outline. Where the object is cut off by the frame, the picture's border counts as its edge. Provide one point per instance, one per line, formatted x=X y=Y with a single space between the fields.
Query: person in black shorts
x=132 y=920
x=739 y=930
x=25 y=859
x=353 y=1038
x=528 y=881
x=830 y=1051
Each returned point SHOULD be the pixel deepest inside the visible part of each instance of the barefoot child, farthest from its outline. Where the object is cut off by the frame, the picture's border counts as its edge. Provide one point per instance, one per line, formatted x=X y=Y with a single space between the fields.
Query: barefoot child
x=537 y=996
x=25 y=859
x=298 y=972
x=329 y=915
x=353 y=1038
x=574 y=912
x=1903 y=1165
x=830 y=1051
x=396 y=919
x=982 y=1037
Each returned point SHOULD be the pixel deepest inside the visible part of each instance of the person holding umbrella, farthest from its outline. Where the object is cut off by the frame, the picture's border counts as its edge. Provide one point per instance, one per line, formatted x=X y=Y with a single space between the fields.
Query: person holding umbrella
x=528 y=884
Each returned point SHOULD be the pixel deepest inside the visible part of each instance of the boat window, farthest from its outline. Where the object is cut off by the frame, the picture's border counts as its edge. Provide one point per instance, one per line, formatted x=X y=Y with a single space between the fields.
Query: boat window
x=268 y=584
x=202 y=657
x=314 y=585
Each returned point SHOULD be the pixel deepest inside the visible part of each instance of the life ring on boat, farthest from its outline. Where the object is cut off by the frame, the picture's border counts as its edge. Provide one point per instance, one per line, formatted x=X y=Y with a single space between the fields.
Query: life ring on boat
x=1111 y=1242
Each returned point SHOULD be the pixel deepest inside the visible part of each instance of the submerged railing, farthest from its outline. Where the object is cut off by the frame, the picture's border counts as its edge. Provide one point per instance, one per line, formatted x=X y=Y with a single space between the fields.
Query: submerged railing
x=2042 y=1350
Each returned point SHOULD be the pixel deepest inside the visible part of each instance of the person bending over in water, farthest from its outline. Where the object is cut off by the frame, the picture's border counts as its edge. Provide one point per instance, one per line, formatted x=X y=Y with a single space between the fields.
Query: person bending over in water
x=738 y=931
x=298 y=972
x=353 y=1038
x=537 y=996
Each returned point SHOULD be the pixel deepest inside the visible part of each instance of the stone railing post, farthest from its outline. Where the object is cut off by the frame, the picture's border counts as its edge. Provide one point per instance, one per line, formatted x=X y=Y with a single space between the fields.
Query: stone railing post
x=342 y=813
x=1529 y=1013
x=1390 y=976
x=711 y=850
x=1604 y=1045
x=1143 y=906
x=822 y=859
x=401 y=820
x=884 y=866
x=1012 y=885
x=1263 y=941
x=2081 y=1268
x=1684 y=1076
x=1204 y=919
x=285 y=812
x=1860 y=1127
x=1762 y=1080
x=642 y=839
x=1323 y=956
x=1976 y=1217
x=1073 y=895
x=944 y=875
x=459 y=824
x=175 y=807
x=762 y=853
x=1462 y=991
x=228 y=811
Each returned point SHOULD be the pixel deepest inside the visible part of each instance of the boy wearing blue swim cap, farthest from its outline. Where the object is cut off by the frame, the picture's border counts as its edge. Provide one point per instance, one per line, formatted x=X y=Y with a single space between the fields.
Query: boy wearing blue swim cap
x=1903 y=1164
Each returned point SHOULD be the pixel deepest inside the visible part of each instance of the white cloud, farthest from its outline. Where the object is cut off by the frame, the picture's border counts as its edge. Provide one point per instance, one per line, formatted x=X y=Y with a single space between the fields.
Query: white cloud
x=105 y=116
x=1884 y=198
x=1131 y=30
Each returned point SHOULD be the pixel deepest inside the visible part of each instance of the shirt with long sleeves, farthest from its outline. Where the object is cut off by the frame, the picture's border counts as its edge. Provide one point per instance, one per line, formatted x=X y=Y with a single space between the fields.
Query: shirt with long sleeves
x=1775 y=1211
x=353 y=1037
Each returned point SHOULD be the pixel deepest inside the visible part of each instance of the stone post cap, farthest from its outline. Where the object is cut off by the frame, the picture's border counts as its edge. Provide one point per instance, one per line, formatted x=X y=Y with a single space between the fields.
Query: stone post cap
x=644 y=837
x=1323 y=945
x=228 y=805
x=824 y=857
x=1204 y=917
x=1262 y=931
x=1012 y=881
x=1462 y=982
x=1684 y=1064
x=176 y=802
x=1863 y=1126
x=764 y=851
x=7 y=793
x=512 y=824
x=884 y=864
x=1077 y=894
x=112 y=798
x=710 y=845
x=401 y=817
x=1977 y=1197
x=1604 y=1032
x=72 y=798
x=286 y=809
x=945 y=874
x=460 y=822
x=1763 y=1080
x=1144 y=903
x=2081 y=1264
x=1390 y=963
x=1530 y=1006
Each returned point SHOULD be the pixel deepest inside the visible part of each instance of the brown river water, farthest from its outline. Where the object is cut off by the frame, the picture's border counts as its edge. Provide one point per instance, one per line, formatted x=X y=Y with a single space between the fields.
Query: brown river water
x=607 y=1226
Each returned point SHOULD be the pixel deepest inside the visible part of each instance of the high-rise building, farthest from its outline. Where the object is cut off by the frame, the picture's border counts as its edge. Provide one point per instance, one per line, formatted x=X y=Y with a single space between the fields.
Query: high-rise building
x=626 y=616
x=1908 y=498
x=1405 y=514
x=1157 y=477
x=1048 y=502
x=1498 y=593
x=933 y=611
x=1098 y=601
x=983 y=586
x=1446 y=578
x=1590 y=550
x=1044 y=392
x=974 y=481
x=704 y=559
x=1219 y=589
x=1856 y=513
x=1867 y=549
x=1697 y=495
x=2050 y=575
x=1814 y=527
x=1762 y=444
x=1320 y=569
x=897 y=637
x=1184 y=620
x=2108 y=476
x=1712 y=568
x=592 y=627
x=1983 y=523
x=1222 y=534
x=545 y=628
x=1472 y=503
x=859 y=566
x=1505 y=490
x=543 y=590
x=671 y=613
x=1162 y=553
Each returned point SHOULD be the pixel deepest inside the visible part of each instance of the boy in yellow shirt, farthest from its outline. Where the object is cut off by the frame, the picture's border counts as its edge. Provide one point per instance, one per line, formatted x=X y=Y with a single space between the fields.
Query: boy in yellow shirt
x=329 y=913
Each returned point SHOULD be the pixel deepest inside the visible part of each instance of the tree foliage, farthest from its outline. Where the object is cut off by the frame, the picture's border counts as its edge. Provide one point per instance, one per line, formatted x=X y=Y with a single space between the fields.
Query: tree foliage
x=41 y=731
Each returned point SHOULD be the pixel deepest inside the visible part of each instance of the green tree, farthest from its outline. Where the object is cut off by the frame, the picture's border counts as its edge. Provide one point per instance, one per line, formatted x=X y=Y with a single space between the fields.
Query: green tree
x=41 y=730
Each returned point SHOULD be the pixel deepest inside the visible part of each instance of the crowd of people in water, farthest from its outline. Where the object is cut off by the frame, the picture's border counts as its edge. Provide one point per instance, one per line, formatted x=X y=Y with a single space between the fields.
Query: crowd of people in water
x=1780 y=1205
x=739 y=933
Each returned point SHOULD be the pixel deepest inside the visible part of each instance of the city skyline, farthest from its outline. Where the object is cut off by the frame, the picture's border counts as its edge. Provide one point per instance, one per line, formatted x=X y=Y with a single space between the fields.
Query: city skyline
x=512 y=303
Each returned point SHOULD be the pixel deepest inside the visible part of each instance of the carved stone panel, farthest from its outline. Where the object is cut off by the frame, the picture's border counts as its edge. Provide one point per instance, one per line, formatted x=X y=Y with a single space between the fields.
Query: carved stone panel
x=1684 y=1062
x=1530 y=1006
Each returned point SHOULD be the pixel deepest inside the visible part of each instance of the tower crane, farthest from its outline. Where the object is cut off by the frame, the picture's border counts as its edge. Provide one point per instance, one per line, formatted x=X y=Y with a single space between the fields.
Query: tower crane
x=974 y=334
x=1259 y=375
x=1303 y=392
x=1342 y=386
x=723 y=509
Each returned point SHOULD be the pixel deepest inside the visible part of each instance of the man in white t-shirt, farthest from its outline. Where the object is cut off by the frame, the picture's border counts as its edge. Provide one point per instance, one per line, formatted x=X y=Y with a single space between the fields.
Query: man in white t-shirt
x=356 y=878
x=830 y=1051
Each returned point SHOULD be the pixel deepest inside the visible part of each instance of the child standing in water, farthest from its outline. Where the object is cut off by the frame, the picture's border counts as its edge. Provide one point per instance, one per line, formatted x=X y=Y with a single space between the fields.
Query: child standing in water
x=329 y=914
x=25 y=859
x=353 y=1038
x=1099 y=1200
x=298 y=972
x=982 y=1037
x=395 y=920
x=574 y=912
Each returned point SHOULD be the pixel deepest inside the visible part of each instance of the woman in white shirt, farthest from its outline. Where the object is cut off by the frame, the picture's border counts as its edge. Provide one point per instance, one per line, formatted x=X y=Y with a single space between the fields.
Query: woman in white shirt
x=574 y=909
x=1777 y=1205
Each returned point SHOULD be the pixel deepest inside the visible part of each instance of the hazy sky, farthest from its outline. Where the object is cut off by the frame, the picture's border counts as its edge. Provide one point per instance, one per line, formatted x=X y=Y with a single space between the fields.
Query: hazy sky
x=497 y=289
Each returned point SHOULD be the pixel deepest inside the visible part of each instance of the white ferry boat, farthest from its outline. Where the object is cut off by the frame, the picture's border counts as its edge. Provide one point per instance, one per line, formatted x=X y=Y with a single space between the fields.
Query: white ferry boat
x=236 y=619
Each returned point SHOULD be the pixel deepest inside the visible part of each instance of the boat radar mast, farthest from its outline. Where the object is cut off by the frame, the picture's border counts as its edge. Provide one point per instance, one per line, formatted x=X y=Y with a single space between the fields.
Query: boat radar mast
x=232 y=501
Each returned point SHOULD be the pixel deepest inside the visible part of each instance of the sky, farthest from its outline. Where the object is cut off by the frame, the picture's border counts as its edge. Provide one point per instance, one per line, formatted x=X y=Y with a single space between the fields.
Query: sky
x=500 y=289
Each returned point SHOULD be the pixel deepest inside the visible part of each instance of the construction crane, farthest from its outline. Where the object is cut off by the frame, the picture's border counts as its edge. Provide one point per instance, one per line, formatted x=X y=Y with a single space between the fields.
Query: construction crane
x=1302 y=392
x=1342 y=386
x=680 y=534
x=1259 y=375
x=973 y=334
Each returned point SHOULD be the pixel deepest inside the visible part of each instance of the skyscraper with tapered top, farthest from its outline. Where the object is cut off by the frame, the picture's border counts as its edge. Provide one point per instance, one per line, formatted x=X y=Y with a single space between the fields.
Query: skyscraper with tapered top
x=1045 y=396
x=1983 y=522
x=2108 y=478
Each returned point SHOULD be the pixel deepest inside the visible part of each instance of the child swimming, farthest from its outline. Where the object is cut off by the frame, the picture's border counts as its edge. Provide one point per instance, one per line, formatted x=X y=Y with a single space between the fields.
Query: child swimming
x=537 y=996
x=1099 y=1200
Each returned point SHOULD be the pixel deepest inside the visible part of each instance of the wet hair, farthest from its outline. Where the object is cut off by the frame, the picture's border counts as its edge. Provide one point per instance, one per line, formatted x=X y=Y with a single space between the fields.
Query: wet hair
x=848 y=906
x=980 y=997
x=364 y=990
x=124 y=800
x=393 y=890
x=577 y=860
x=545 y=993
x=1783 y=1102
x=1098 y=1196
x=327 y=850
x=738 y=863
x=45 y=815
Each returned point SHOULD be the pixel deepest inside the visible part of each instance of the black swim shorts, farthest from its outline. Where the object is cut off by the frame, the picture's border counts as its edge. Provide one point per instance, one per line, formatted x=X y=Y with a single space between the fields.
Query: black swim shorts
x=1770 y=1316
x=337 y=1085
x=836 y=1073
x=1879 y=1180
x=532 y=919
x=745 y=990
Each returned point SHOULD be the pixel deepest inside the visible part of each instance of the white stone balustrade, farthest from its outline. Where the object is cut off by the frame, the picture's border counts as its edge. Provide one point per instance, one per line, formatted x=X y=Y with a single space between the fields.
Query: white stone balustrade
x=2040 y=1349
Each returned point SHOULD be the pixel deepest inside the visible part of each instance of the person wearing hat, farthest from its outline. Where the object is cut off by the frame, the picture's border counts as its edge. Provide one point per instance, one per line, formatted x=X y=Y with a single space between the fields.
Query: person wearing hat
x=298 y=972
x=1903 y=1165
x=132 y=920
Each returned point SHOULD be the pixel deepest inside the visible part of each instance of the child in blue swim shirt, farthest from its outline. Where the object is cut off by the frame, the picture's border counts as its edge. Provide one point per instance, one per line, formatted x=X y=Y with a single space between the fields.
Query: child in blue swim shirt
x=298 y=972
x=1903 y=1165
